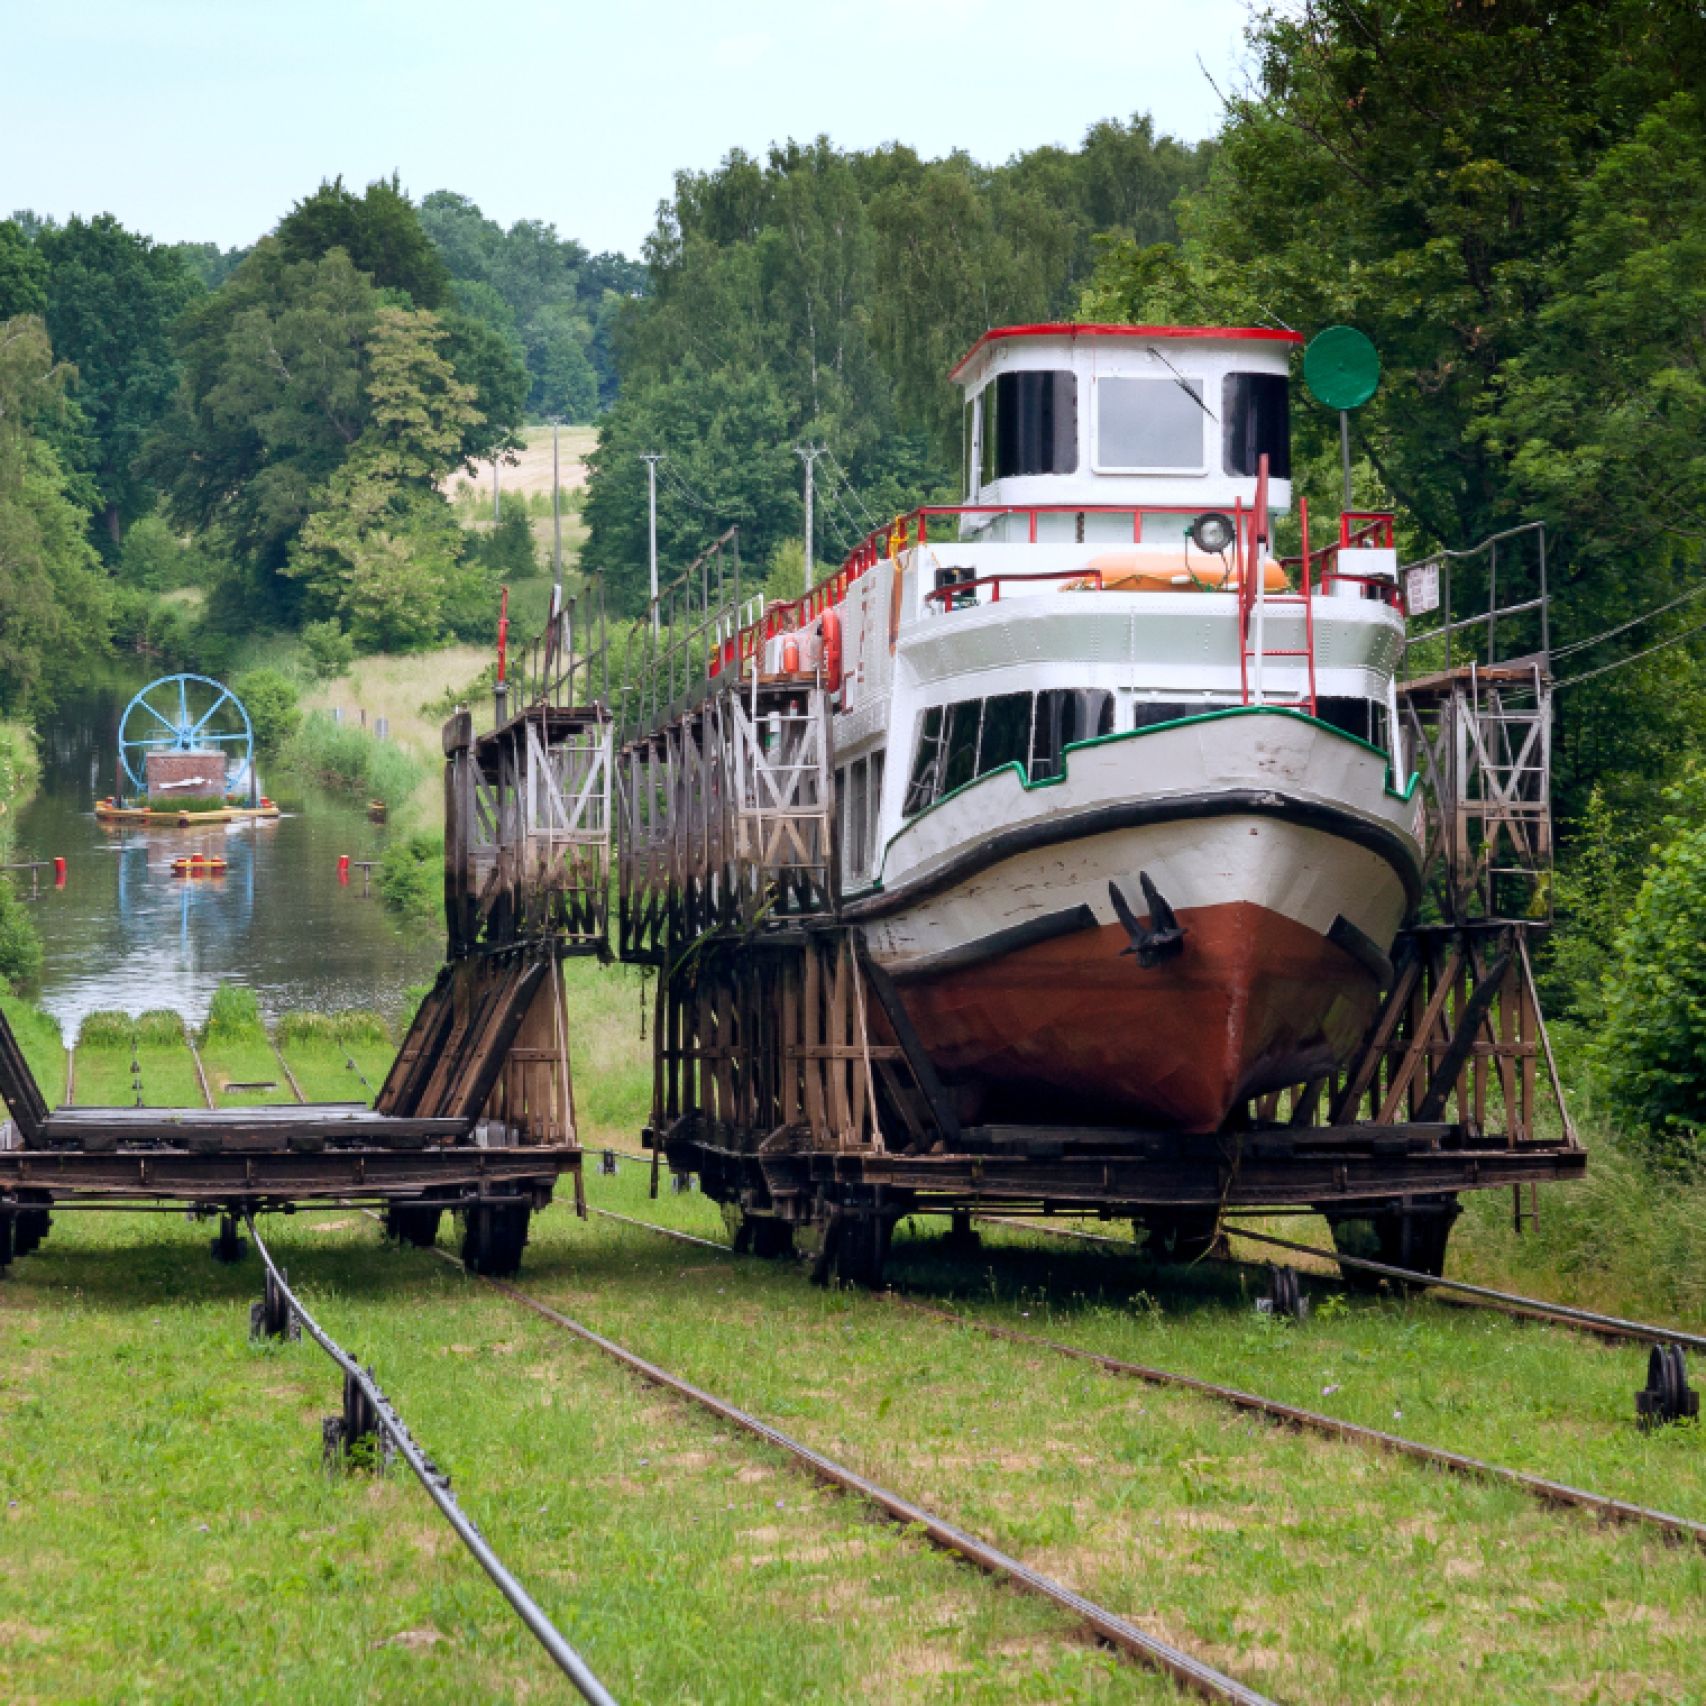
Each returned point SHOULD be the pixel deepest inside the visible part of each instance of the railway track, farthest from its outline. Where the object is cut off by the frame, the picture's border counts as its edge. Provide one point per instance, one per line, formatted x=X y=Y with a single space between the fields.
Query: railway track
x=1558 y=1493
x=437 y=1485
x=1471 y=1296
x=1107 y=1626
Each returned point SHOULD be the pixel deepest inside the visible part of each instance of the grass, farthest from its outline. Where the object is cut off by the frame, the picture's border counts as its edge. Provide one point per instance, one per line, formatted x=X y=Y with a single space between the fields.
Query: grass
x=352 y=760
x=687 y=1564
x=690 y=1564
x=398 y=688
x=121 y=1059
x=340 y=1057
x=40 y=1038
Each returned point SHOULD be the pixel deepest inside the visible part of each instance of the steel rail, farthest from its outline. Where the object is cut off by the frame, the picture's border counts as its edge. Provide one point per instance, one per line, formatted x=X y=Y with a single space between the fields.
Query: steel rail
x=1537 y=1486
x=437 y=1484
x=1509 y=1301
x=1107 y=1625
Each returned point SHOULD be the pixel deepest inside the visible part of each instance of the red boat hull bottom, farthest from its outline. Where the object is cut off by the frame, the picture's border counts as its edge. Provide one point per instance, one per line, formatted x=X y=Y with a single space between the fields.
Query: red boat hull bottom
x=1073 y=1032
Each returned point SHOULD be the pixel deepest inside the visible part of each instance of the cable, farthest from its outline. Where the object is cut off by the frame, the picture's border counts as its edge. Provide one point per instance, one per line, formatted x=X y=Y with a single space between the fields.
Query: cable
x=1634 y=657
x=682 y=490
x=1633 y=622
x=841 y=474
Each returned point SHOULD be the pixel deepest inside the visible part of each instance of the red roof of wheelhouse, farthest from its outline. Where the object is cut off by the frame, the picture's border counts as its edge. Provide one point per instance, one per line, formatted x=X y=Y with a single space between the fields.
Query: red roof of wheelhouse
x=1075 y=329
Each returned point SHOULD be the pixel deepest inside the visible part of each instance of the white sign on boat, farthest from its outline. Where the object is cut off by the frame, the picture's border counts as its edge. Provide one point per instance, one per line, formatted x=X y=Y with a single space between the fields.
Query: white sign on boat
x=1421 y=589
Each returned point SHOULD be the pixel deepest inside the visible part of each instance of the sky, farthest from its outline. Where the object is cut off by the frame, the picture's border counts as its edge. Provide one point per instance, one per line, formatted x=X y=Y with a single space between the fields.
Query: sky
x=204 y=120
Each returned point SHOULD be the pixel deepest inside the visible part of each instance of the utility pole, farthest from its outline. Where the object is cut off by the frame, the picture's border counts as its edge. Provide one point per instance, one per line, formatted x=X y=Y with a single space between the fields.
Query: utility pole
x=808 y=454
x=497 y=485
x=652 y=458
x=556 y=516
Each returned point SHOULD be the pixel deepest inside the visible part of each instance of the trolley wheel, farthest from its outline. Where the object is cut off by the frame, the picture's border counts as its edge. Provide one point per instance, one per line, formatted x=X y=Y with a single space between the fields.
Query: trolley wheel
x=413 y=1223
x=1668 y=1397
x=855 y=1247
x=493 y=1237
x=228 y=1246
x=1412 y=1234
x=31 y=1225
x=1180 y=1235
x=764 y=1235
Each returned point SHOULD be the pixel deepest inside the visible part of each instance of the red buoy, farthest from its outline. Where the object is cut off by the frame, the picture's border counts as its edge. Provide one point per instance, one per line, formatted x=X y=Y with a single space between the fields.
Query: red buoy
x=343 y=870
x=830 y=627
x=59 y=873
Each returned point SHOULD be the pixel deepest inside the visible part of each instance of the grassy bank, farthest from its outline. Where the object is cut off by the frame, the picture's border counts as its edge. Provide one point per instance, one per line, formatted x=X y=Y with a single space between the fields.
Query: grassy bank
x=351 y=760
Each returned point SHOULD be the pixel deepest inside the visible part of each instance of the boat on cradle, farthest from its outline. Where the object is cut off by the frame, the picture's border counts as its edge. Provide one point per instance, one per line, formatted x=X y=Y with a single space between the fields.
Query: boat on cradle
x=1119 y=808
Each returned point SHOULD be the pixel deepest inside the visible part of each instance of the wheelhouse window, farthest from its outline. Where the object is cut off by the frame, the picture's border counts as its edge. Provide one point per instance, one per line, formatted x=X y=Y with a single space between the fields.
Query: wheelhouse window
x=1149 y=425
x=959 y=743
x=1030 y=425
x=1255 y=418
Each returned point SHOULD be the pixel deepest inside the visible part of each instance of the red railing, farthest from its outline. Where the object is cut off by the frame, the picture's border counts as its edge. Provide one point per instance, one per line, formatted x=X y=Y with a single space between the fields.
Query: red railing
x=947 y=594
x=1250 y=537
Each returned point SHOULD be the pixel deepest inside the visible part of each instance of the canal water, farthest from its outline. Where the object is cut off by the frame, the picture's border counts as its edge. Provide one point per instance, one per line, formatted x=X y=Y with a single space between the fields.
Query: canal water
x=126 y=933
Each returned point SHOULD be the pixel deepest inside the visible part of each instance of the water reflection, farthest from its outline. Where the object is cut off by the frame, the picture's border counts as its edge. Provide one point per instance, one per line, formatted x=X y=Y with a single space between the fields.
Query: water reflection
x=126 y=932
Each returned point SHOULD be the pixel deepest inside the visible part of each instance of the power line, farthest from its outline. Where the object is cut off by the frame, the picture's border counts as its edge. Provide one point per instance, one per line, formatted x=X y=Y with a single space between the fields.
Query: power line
x=840 y=473
x=1633 y=622
x=1634 y=657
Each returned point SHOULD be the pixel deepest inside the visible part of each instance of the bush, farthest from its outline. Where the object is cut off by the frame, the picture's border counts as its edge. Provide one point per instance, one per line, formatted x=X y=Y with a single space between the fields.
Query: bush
x=351 y=760
x=269 y=696
x=1651 y=1048
x=361 y=1025
x=107 y=1028
x=413 y=996
x=234 y=1016
x=295 y=1029
x=160 y=1027
x=411 y=877
x=145 y=623
x=508 y=550
x=330 y=650
x=20 y=946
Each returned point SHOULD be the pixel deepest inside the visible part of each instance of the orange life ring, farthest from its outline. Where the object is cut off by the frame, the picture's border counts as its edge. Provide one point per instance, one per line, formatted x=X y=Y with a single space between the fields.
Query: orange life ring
x=830 y=628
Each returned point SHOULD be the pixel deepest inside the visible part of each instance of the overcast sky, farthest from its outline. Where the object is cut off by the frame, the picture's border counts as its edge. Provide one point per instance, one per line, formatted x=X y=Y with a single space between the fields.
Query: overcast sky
x=206 y=119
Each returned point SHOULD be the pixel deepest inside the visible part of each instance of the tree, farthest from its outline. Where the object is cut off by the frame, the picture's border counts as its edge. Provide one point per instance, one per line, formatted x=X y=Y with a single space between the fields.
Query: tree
x=54 y=607
x=381 y=551
x=824 y=294
x=542 y=292
x=271 y=399
x=563 y=379
x=23 y=273
x=380 y=232
x=113 y=299
x=1651 y=1046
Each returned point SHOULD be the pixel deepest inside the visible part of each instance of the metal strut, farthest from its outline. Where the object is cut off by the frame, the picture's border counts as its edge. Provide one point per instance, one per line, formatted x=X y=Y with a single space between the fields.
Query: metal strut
x=391 y=1426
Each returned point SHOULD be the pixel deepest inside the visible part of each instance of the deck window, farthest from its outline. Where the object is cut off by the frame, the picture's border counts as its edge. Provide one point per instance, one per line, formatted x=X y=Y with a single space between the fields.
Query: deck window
x=1066 y=715
x=959 y=743
x=1149 y=425
x=1255 y=417
x=1030 y=425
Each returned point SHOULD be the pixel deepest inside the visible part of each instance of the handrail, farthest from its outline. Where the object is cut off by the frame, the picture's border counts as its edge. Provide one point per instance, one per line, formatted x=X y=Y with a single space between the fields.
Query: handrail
x=955 y=588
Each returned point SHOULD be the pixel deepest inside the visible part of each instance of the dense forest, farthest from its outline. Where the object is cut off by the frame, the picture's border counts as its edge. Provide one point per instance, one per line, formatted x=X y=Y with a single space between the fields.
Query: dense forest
x=1510 y=199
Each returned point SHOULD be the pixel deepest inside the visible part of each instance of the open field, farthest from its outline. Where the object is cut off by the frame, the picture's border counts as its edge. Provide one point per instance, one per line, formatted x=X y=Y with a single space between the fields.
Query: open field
x=531 y=472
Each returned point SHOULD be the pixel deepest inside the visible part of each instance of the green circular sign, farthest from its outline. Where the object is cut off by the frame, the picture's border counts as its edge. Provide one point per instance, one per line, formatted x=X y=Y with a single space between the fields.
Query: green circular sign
x=1341 y=367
